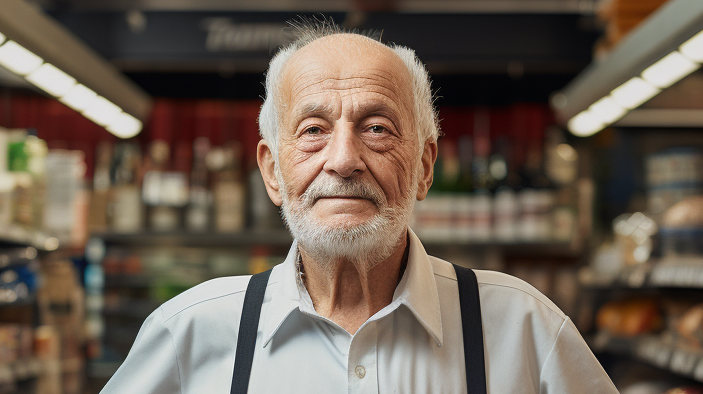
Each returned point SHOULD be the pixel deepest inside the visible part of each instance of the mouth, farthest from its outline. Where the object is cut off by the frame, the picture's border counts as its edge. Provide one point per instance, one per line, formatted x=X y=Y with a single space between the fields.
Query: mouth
x=341 y=198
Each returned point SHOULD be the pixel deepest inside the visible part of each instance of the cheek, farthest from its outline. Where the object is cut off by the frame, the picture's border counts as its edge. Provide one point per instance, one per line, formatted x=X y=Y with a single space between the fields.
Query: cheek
x=300 y=170
x=394 y=172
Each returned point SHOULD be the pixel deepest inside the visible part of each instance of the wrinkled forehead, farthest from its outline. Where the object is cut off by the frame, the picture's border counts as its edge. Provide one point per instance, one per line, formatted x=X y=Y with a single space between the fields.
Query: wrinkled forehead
x=339 y=58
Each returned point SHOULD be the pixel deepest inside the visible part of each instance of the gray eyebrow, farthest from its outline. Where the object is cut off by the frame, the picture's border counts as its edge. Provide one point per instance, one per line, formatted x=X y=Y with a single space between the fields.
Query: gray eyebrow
x=315 y=108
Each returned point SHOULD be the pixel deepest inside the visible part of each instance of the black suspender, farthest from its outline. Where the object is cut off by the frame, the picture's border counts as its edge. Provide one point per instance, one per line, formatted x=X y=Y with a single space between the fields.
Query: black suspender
x=473 y=330
x=470 y=323
x=248 y=326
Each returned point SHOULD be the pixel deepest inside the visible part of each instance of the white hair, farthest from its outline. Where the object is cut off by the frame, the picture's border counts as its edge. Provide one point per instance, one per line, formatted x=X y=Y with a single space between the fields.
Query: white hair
x=426 y=120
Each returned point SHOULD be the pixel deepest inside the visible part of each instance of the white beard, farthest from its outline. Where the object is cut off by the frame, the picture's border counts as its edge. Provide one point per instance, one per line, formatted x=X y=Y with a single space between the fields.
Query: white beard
x=366 y=244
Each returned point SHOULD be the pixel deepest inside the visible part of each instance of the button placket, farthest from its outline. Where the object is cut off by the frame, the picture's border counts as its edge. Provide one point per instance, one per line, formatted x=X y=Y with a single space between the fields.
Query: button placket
x=362 y=365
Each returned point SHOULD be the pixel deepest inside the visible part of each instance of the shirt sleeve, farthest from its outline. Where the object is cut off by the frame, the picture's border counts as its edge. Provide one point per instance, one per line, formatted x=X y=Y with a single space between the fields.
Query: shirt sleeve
x=151 y=367
x=572 y=368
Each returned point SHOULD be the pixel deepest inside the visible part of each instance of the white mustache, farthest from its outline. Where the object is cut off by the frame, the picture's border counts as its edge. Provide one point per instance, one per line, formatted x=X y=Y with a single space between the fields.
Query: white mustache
x=324 y=186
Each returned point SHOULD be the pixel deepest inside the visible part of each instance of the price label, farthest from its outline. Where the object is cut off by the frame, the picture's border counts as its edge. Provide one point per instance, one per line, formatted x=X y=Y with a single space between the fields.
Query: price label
x=655 y=352
x=683 y=362
x=698 y=372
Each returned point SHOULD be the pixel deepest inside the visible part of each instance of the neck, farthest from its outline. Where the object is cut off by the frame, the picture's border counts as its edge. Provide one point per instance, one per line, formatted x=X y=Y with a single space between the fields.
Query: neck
x=350 y=292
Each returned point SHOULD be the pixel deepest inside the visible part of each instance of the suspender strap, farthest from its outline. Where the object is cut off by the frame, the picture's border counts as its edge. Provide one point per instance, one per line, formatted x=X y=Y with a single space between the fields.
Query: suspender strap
x=470 y=323
x=248 y=326
x=473 y=330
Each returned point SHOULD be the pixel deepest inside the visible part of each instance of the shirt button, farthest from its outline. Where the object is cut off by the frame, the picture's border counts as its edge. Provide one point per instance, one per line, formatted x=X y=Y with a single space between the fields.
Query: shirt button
x=360 y=371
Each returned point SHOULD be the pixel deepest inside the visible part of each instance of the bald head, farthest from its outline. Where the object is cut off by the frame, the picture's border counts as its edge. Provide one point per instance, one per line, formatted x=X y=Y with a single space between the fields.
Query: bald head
x=325 y=73
x=345 y=54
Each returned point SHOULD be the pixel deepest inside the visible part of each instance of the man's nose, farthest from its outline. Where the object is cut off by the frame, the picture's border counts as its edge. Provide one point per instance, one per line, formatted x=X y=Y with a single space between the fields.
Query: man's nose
x=343 y=154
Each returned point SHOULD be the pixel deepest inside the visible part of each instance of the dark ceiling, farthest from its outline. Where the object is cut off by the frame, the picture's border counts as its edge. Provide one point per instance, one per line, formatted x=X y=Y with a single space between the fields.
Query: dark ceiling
x=474 y=57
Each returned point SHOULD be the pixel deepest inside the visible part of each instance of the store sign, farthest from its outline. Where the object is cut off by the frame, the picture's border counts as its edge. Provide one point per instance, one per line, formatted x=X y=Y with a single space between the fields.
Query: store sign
x=223 y=35
x=247 y=40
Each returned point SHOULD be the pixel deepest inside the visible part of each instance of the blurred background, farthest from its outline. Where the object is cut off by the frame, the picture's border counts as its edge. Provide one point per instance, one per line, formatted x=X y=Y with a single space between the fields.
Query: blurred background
x=572 y=158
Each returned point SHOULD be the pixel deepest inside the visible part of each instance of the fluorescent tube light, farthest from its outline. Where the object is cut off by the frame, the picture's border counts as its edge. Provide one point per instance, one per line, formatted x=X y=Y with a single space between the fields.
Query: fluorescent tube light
x=2 y=38
x=79 y=98
x=585 y=124
x=607 y=110
x=18 y=59
x=125 y=126
x=634 y=93
x=693 y=48
x=102 y=111
x=669 y=70
x=52 y=80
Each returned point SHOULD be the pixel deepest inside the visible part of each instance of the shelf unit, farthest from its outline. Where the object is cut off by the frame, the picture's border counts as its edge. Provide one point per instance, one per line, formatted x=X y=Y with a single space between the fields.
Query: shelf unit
x=14 y=236
x=129 y=298
x=671 y=277
x=282 y=238
x=655 y=351
x=22 y=249
x=672 y=273
x=20 y=371
x=196 y=240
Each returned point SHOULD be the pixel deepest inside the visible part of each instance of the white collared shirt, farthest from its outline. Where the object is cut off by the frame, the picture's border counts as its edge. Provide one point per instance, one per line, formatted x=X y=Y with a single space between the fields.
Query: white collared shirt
x=413 y=345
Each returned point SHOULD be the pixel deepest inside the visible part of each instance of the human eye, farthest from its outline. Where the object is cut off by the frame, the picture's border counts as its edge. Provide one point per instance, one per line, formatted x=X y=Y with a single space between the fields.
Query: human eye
x=312 y=130
x=377 y=129
x=379 y=126
x=312 y=136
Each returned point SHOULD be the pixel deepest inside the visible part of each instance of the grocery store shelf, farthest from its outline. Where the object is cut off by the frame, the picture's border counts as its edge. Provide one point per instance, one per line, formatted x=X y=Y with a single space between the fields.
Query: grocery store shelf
x=128 y=281
x=16 y=236
x=102 y=369
x=133 y=309
x=24 y=302
x=547 y=248
x=681 y=273
x=20 y=370
x=654 y=351
x=224 y=240
x=283 y=238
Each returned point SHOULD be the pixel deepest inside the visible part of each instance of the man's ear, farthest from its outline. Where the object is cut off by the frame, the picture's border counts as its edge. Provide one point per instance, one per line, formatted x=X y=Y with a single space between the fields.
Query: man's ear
x=429 y=156
x=267 y=166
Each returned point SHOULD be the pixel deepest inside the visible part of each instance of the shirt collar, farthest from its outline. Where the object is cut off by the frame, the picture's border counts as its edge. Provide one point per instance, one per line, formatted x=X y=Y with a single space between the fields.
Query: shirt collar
x=284 y=294
x=417 y=291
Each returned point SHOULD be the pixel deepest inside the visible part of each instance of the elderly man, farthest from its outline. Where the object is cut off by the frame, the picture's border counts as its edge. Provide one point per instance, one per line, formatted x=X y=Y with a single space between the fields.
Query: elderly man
x=349 y=142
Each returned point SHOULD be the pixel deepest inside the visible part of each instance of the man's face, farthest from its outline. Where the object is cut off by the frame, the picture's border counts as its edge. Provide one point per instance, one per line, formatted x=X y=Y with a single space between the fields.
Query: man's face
x=348 y=149
x=347 y=114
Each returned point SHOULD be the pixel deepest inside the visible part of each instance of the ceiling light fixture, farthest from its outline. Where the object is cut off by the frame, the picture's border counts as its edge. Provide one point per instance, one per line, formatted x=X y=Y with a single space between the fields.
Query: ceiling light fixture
x=79 y=98
x=669 y=70
x=52 y=80
x=693 y=48
x=35 y=46
x=59 y=84
x=18 y=59
x=608 y=110
x=102 y=111
x=634 y=93
x=663 y=50
x=125 y=126
x=585 y=124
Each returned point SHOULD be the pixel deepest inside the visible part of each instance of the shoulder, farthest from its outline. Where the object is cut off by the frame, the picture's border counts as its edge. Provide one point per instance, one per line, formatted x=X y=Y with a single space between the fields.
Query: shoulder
x=498 y=287
x=507 y=284
x=206 y=293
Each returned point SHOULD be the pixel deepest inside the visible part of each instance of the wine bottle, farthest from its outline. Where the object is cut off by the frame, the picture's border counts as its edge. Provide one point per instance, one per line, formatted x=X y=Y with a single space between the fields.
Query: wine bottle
x=198 y=211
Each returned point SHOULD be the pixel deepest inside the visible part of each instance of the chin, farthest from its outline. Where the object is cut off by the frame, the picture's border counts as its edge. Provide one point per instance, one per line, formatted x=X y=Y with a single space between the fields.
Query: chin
x=368 y=242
